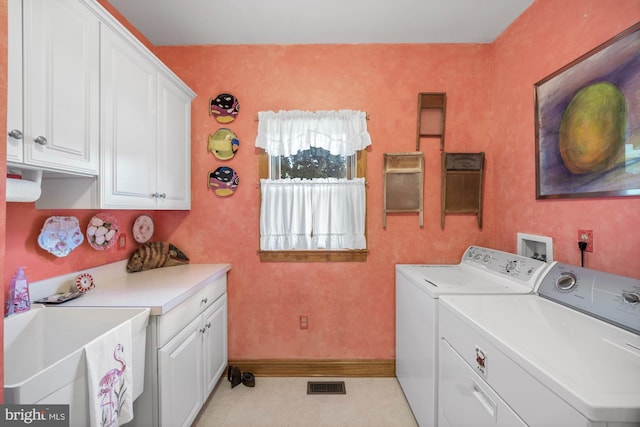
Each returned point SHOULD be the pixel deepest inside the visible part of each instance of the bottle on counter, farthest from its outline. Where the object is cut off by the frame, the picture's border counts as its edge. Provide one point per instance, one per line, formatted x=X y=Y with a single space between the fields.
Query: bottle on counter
x=10 y=301
x=20 y=287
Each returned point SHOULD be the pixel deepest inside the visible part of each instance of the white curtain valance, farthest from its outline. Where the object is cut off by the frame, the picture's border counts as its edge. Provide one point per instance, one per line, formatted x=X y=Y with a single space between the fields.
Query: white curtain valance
x=285 y=133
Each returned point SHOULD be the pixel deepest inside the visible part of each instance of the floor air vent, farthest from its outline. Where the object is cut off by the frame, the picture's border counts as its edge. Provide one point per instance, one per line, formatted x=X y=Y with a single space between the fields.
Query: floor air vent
x=326 y=387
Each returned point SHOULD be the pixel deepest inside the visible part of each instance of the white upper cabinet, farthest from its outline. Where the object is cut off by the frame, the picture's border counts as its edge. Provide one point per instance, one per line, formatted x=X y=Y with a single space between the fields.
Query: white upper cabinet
x=60 y=84
x=146 y=131
x=173 y=174
x=113 y=91
x=129 y=133
x=174 y=145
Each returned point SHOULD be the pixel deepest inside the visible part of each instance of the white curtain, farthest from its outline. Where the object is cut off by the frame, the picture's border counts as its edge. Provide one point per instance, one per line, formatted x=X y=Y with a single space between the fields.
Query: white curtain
x=312 y=214
x=286 y=132
x=323 y=213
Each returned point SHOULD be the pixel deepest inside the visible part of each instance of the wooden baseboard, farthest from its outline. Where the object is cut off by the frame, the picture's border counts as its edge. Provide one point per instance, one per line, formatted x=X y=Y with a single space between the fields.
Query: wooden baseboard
x=317 y=368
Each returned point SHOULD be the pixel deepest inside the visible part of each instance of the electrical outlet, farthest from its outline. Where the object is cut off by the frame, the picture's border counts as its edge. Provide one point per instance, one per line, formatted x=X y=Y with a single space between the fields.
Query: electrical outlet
x=586 y=236
x=304 y=321
x=122 y=241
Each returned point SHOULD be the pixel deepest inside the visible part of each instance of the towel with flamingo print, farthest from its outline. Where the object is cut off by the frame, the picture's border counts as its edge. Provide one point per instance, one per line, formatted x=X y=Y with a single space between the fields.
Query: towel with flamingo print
x=109 y=377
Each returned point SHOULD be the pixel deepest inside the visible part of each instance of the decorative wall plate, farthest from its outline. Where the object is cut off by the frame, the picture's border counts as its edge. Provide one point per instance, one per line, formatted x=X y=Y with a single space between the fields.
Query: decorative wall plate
x=84 y=282
x=60 y=235
x=224 y=181
x=102 y=231
x=223 y=143
x=224 y=107
x=143 y=228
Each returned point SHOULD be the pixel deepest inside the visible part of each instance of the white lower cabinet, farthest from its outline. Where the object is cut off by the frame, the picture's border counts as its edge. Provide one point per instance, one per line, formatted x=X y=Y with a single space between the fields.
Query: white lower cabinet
x=186 y=355
x=190 y=366
x=214 y=349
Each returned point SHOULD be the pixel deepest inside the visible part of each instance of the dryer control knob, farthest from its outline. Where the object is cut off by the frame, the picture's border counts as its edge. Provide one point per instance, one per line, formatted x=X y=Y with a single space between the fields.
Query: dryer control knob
x=566 y=282
x=511 y=265
x=632 y=298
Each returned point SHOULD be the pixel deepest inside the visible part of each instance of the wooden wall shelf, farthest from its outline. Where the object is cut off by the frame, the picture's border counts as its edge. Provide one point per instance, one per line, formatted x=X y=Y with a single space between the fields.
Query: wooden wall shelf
x=403 y=184
x=462 y=185
x=432 y=109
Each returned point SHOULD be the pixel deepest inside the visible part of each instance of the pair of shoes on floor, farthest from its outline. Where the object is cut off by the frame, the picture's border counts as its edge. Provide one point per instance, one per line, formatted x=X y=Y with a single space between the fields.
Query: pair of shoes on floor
x=236 y=377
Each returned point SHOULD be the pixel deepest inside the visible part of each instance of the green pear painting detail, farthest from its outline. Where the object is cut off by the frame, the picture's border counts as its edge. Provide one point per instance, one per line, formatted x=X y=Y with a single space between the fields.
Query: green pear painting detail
x=592 y=130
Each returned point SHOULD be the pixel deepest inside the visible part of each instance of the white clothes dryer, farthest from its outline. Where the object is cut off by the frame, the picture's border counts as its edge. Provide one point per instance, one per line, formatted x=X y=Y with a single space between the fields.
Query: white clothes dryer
x=418 y=288
x=567 y=355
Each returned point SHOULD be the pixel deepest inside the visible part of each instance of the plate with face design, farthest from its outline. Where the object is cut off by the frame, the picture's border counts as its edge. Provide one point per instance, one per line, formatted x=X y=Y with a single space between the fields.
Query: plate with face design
x=223 y=181
x=143 y=228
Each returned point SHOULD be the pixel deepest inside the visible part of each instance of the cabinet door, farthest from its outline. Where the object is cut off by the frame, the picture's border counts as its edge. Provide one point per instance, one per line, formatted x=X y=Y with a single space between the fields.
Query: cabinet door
x=14 y=80
x=128 y=101
x=215 y=356
x=180 y=377
x=174 y=146
x=61 y=73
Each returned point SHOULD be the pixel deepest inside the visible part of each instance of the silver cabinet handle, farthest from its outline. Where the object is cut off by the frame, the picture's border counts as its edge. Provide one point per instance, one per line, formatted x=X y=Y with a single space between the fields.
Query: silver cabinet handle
x=15 y=134
x=40 y=140
x=204 y=300
x=159 y=195
x=163 y=195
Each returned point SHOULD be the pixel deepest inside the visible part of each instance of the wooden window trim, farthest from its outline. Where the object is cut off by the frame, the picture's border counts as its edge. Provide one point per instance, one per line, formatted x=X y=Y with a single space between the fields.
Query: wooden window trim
x=344 y=255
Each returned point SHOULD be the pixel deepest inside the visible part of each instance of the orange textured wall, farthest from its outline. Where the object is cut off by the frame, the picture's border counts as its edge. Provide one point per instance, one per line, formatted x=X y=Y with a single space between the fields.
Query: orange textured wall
x=550 y=35
x=350 y=305
x=24 y=223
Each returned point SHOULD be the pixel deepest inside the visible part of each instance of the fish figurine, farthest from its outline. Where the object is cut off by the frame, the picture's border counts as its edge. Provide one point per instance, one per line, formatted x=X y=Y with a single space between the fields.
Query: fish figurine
x=155 y=255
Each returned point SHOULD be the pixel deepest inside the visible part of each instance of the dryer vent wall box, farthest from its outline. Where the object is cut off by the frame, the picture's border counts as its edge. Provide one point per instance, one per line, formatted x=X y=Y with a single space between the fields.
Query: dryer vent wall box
x=536 y=247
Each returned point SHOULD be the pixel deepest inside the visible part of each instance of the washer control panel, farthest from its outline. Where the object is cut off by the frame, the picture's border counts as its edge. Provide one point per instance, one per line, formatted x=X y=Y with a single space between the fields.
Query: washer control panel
x=609 y=297
x=514 y=266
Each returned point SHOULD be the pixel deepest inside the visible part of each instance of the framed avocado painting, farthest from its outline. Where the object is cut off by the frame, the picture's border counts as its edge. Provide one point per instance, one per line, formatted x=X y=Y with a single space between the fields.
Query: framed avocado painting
x=587 y=120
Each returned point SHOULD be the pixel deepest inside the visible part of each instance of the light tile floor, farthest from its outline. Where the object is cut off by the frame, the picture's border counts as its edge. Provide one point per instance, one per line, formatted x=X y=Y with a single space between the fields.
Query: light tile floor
x=284 y=402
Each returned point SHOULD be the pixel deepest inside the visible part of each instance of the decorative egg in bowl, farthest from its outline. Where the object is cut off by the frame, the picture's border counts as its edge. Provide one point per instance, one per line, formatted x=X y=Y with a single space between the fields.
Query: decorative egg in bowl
x=102 y=231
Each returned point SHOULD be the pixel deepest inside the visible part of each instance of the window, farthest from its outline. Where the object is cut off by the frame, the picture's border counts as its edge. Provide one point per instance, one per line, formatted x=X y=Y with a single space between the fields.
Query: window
x=313 y=163
x=313 y=198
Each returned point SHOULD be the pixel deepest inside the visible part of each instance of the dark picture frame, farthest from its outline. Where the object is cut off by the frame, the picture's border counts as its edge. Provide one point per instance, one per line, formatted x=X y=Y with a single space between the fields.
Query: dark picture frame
x=587 y=122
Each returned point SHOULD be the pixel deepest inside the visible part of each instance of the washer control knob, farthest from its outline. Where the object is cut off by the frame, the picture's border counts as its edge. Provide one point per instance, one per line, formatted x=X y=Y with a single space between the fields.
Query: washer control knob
x=511 y=265
x=486 y=258
x=566 y=282
x=632 y=298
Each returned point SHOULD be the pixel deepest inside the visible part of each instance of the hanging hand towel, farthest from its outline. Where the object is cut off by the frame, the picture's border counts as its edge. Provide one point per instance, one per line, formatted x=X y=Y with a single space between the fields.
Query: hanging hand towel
x=110 y=381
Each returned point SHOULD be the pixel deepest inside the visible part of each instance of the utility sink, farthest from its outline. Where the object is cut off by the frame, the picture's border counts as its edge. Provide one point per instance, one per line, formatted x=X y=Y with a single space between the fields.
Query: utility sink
x=44 y=359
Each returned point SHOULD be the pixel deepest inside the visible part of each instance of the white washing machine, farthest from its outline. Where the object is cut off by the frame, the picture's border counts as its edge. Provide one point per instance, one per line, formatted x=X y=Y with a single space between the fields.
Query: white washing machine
x=567 y=355
x=418 y=288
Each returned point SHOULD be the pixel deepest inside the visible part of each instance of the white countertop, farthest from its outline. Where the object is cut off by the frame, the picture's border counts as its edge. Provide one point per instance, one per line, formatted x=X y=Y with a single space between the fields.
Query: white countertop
x=159 y=289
